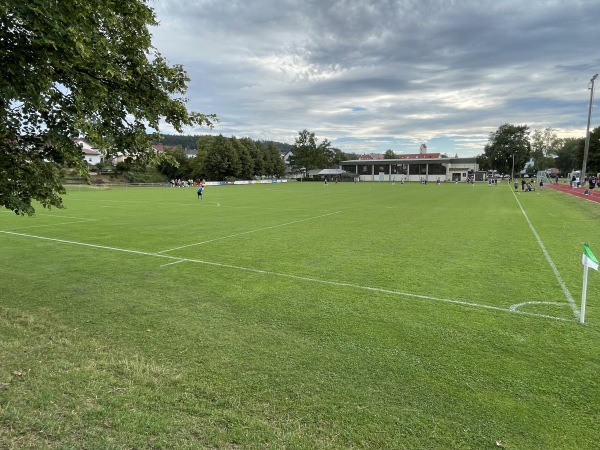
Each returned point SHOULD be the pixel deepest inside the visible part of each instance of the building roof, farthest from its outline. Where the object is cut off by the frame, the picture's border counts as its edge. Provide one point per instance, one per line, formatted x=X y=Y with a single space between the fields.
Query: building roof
x=331 y=172
x=90 y=151
x=86 y=148
x=413 y=158
x=371 y=156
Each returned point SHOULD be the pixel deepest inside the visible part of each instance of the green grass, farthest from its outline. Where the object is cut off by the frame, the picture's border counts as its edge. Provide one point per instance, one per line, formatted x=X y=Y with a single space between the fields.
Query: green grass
x=300 y=316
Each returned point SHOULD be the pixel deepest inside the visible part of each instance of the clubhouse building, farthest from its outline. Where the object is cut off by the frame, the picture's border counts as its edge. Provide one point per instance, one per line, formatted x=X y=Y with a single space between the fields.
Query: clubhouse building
x=414 y=167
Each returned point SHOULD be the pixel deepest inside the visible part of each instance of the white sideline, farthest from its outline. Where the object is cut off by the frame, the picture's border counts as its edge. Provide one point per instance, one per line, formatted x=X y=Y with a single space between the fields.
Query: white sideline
x=55 y=224
x=550 y=261
x=291 y=276
x=248 y=232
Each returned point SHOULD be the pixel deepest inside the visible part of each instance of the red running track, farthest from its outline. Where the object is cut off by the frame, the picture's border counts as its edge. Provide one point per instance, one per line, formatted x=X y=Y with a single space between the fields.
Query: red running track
x=577 y=192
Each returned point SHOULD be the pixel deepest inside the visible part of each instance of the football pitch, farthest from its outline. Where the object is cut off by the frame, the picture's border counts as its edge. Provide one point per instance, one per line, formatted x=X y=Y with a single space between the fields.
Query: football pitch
x=300 y=316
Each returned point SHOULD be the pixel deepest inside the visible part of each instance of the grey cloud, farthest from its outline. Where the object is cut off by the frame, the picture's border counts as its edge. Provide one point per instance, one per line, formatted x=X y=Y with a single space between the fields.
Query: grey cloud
x=409 y=69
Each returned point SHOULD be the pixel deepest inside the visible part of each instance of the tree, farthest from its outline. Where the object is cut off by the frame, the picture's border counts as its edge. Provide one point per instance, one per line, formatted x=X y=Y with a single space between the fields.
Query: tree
x=72 y=69
x=222 y=160
x=389 y=154
x=303 y=151
x=172 y=167
x=306 y=154
x=349 y=156
x=505 y=143
x=326 y=149
x=545 y=145
x=274 y=163
x=246 y=167
x=593 y=161
x=570 y=155
x=255 y=149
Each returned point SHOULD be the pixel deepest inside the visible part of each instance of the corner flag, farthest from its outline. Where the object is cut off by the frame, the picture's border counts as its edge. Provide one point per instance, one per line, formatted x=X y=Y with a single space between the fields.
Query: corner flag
x=588 y=259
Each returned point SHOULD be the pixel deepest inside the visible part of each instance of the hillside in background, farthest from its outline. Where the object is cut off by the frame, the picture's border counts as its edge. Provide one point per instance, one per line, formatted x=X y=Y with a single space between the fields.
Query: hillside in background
x=191 y=142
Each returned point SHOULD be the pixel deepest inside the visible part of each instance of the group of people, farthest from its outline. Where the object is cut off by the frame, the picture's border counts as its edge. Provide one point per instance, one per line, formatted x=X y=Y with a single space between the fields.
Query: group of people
x=176 y=182
x=527 y=186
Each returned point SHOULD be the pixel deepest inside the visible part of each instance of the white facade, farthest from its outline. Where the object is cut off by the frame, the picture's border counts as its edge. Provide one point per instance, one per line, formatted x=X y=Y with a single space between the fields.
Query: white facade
x=90 y=154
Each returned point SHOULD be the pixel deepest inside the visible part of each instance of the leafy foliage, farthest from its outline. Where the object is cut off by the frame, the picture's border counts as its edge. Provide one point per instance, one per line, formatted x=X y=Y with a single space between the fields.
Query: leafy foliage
x=545 y=145
x=570 y=155
x=308 y=154
x=71 y=69
x=505 y=143
x=593 y=161
x=174 y=166
x=221 y=158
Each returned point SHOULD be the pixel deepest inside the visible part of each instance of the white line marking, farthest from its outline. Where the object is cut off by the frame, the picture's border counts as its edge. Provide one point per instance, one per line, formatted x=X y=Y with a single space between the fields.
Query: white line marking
x=518 y=305
x=552 y=265
x=54 y=216
x=290 y=276
x=172 y=263
x=248 y=232
x=52 y=224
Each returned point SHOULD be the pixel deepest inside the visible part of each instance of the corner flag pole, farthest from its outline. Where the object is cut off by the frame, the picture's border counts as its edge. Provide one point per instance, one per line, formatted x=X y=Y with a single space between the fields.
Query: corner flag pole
x=588 y=260
x=583 y=294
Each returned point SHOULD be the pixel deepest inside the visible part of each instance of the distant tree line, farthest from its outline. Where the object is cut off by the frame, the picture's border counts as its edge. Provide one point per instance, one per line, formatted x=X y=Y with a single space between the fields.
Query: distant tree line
x=190 y=142
x=223 y=158
x=515 y=146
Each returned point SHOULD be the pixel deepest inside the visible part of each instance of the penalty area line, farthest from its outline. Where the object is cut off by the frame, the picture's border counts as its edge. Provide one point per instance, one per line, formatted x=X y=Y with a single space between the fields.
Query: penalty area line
x=248 y=232
x=560 y=280
x=173 y=263
x=176 y=260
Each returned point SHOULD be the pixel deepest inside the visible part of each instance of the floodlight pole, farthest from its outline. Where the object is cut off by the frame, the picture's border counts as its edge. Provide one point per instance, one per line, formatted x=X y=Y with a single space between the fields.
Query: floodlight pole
x=586 y=149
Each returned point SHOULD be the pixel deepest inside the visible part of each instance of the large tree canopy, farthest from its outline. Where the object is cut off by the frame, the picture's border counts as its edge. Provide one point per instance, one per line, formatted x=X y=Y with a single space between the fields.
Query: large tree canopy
x=73 y=69
x=506 y=143
x=306 y=154
x=545 y=145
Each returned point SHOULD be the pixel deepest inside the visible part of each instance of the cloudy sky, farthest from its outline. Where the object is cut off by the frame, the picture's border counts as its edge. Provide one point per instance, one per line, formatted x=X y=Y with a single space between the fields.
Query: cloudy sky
x=385 y=74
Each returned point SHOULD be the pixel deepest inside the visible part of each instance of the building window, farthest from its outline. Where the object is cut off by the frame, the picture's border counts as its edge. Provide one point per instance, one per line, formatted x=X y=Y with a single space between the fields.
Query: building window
x=436 y=169
x=417 y=169
x=402 y=169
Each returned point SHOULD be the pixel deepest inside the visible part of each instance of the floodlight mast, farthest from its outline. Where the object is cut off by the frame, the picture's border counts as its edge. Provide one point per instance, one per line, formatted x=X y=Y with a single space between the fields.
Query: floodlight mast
x=586 y=148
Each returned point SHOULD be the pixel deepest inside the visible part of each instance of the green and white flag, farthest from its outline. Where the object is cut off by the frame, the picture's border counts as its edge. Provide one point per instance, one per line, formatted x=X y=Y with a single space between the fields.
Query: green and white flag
x=588 y=259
